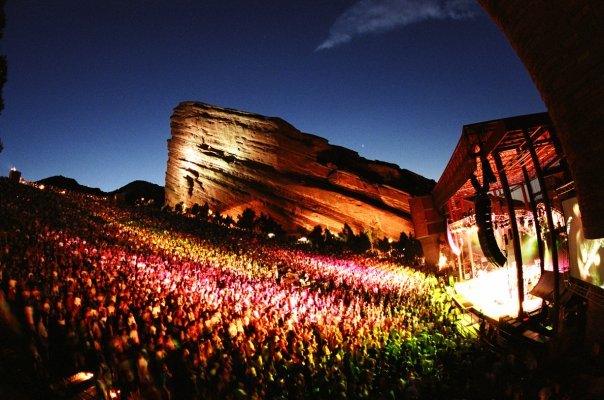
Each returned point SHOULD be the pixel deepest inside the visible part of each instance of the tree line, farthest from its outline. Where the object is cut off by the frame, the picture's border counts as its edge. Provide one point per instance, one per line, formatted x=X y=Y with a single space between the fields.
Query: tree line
x=407 y=247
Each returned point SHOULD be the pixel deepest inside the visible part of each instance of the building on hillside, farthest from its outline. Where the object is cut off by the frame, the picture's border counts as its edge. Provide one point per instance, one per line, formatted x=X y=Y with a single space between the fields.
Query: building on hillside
x=14 y=175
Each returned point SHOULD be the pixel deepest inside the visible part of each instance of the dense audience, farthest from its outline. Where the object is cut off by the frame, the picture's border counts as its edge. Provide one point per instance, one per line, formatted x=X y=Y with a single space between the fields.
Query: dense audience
x=162 y=307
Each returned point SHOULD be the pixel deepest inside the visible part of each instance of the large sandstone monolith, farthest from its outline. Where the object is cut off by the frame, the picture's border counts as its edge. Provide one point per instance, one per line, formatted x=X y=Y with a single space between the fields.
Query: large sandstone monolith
x=232 y=160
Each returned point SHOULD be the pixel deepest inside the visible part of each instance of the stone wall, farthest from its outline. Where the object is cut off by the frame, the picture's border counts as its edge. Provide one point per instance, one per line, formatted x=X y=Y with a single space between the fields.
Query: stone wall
x=561 y=43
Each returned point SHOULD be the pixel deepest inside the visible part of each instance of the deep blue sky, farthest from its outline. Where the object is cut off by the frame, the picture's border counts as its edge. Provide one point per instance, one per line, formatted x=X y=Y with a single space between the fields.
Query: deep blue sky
x=92 y=84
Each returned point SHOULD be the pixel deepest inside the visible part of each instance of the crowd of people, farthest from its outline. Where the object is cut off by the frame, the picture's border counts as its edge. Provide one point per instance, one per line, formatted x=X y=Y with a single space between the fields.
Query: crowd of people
x=158 y=306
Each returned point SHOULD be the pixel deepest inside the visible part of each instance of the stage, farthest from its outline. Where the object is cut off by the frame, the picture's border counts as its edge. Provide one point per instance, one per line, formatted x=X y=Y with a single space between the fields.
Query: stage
x=494 y=294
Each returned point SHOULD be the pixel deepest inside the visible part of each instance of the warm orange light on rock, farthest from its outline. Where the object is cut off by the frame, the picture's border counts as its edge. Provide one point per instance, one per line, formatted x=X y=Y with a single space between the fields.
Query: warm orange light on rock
x=233 y=160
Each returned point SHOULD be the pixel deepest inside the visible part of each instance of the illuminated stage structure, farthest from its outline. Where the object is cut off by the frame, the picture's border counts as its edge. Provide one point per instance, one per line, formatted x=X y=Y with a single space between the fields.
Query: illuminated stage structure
x=504 y=218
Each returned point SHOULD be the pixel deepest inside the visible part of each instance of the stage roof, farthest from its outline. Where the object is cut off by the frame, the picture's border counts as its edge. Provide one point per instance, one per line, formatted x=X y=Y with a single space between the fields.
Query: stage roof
x=507 y=137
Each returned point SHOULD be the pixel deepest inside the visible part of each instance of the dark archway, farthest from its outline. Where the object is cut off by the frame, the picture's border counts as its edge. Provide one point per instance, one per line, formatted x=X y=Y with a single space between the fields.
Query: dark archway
x=561 y=44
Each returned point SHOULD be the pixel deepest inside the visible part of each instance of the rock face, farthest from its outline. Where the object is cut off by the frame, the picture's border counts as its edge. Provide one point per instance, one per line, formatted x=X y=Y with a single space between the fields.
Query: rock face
x=232 y=160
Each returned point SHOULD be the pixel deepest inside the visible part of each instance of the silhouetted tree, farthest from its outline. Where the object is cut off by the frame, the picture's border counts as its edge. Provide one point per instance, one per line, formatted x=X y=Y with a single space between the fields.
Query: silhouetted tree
x=266 y=224
x=347 y=234
x=195 y=209
x=384 y=245
x=403 y=239
x=329 y=237
x=401 y=245
x=200 y=212
x=333 y=243
x=409 y=247
x=227 y=220
x=217 y=217
x=247 y=219
x=416 y=247
x=362 y=242
x=204 y=211
x=316 y=236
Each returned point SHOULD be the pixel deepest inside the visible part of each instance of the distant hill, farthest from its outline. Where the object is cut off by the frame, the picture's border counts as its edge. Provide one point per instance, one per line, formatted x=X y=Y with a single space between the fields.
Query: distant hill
x=135 y=190
x=128 y=193
x=61 y=182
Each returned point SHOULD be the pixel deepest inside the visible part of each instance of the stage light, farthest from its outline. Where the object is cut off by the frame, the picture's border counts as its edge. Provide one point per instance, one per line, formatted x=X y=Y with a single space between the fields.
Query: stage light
x=454 y=248
x=442 y=261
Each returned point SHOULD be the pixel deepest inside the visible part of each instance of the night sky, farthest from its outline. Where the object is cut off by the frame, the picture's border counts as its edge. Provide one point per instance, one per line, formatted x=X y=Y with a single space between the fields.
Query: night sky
x=92 y=84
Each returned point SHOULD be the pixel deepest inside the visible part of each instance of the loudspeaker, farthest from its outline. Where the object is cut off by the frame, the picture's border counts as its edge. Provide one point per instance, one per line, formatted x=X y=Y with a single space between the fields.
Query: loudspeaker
x=486 y=235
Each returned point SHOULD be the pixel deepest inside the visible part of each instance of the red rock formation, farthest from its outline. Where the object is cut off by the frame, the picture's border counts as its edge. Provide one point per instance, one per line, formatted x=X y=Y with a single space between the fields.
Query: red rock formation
x=561 y=44
x=233 y=160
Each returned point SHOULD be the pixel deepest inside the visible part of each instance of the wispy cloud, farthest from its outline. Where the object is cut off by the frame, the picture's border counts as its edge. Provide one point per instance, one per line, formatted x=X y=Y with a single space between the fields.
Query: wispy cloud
x=375 y=16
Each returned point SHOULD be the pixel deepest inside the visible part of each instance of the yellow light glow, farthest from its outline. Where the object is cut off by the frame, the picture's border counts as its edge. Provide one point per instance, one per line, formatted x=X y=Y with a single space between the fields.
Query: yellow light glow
x=576 y=210
x=452 y=244
x=442 y=261
x=81 y=377
x=495 y=293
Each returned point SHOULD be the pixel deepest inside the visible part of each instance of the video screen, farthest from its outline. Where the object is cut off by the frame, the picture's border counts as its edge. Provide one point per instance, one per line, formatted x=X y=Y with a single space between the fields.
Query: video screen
x=586 y=256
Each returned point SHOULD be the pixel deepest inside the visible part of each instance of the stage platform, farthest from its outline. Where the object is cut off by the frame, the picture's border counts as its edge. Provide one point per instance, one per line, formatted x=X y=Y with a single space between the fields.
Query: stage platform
x=492 y=299
x=494 y=294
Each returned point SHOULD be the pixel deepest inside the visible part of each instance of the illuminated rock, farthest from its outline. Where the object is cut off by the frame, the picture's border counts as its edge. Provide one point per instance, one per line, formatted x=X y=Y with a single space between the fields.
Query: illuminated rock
x=232 y=160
